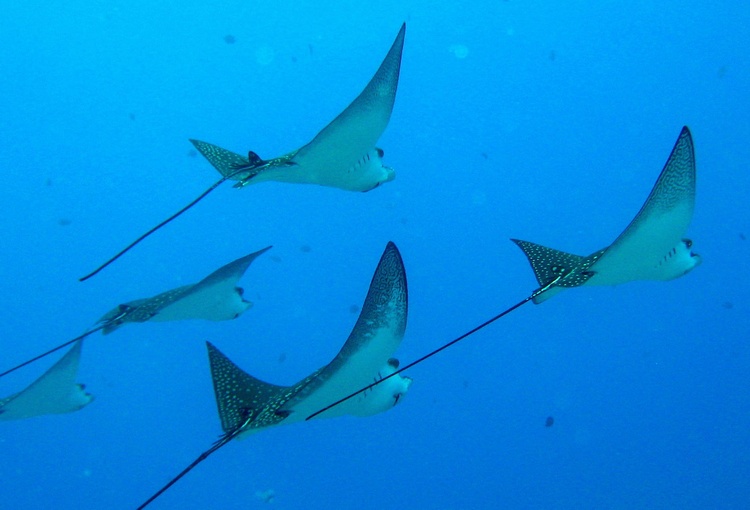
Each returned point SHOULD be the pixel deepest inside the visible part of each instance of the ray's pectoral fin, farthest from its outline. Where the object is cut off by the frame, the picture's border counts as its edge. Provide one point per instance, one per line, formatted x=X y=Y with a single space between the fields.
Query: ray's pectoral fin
x=555 y=269
x=240 y=397
x=229 y=164
x=55 y=392
x=235 y=167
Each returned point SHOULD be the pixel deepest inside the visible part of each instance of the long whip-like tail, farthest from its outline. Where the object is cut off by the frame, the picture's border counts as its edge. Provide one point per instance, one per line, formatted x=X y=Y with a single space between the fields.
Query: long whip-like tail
x=157 y=227
x=223 y=440
x=81 y=337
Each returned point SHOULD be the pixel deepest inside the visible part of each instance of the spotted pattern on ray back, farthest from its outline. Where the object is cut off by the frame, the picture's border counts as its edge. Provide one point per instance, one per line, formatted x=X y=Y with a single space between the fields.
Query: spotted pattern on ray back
x=549 y=263
x=387 y=294
x=230 y=164
x=675 y=185
x=241 y=398
x=142 y=310
x=226 y=162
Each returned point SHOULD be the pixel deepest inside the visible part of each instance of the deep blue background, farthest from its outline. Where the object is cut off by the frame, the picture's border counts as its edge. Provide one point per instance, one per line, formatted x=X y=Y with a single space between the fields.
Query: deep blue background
x=553 y=128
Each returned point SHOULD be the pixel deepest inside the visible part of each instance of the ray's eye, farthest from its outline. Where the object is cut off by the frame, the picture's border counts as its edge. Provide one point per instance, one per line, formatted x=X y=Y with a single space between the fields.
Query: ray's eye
x=240 y=291
x=688 y=243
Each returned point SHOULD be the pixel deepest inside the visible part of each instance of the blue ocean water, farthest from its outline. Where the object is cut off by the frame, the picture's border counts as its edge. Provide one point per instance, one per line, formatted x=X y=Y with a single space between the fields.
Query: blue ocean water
x=513 y=119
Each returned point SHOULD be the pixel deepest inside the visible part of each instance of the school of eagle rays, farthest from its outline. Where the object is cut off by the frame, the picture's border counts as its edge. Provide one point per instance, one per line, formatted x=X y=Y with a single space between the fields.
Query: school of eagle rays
x=364 y=378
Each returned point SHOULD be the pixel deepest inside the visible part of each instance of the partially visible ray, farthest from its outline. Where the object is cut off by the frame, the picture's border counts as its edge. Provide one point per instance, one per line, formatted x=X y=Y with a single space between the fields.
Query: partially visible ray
x=652 y=247
x=55 y=392
x=247 y=404
x=342 y=155
x=214 y=298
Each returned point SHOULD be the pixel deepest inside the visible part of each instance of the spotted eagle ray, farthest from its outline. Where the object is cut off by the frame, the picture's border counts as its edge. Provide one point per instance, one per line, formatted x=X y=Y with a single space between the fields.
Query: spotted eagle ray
x=214 y=298
x=343 y=155
x=247 y=405
x=652 y=247
x=55 y=392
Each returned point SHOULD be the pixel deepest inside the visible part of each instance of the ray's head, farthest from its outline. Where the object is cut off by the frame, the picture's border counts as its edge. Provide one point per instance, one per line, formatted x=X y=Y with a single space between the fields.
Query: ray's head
x=680 y=260
x=384 y=395
x=239 y=304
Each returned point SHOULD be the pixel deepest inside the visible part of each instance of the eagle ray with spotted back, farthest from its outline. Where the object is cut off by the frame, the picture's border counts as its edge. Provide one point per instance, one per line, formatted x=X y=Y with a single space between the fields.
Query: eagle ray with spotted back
x=247 y=404
x=365 y=357
x=652 y=247
x=342 y=155
x=215 y=298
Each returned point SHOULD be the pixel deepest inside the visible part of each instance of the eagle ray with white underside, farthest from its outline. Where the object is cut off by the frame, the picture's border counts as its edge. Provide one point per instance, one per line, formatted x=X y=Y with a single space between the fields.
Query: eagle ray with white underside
x=652 y=247
x=55 y=392
x=247 y=404
x=343 y=155
x=214 y=298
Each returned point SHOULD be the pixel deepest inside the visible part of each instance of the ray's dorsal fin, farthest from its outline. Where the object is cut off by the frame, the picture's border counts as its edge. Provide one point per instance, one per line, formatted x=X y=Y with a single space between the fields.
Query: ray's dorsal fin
x=55 y=392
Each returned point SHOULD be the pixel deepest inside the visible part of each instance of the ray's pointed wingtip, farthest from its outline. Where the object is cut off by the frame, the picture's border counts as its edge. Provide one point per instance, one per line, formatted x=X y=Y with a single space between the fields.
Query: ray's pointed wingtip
x=391 y=248
x=399 y=41
x=686 y=133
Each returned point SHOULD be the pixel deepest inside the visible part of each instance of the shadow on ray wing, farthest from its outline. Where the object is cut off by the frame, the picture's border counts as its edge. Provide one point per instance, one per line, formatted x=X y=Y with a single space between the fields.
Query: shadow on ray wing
x=343 y=155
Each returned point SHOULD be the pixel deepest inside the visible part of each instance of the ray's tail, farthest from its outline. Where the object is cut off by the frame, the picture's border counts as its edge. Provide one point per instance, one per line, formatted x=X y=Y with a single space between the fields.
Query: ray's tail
x=154 y=229
x=55 y=349
x=223 y=440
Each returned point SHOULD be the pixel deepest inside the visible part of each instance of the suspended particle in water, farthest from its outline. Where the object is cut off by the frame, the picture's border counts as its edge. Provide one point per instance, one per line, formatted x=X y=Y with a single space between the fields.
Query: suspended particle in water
x=459 y=50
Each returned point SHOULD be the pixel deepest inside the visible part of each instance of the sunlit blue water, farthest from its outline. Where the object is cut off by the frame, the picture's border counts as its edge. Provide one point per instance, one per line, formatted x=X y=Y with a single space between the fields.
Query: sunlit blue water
x=513 y=119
